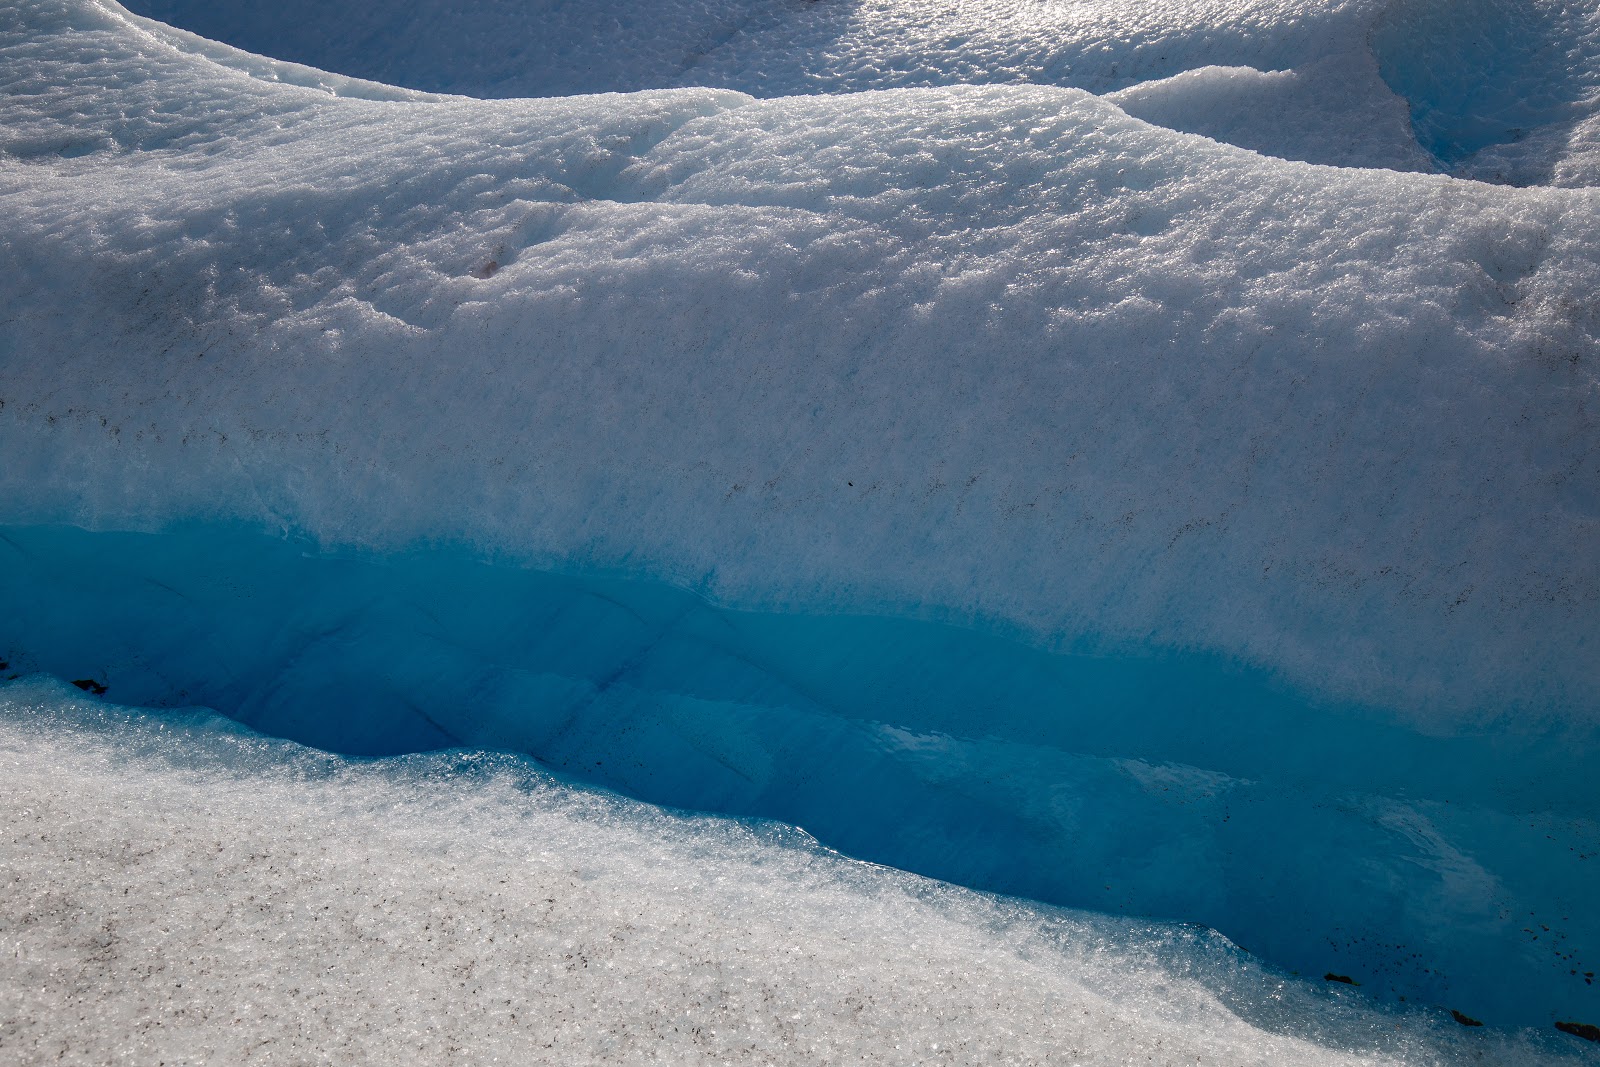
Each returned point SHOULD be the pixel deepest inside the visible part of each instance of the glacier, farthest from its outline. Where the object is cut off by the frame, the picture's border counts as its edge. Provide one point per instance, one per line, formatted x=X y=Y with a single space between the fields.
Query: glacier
x=190 y=887
x=1181 y=501
x=1324 y=838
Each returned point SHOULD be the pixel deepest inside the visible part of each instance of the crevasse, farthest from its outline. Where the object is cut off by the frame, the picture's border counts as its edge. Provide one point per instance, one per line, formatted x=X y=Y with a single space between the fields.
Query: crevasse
x=1451 y=870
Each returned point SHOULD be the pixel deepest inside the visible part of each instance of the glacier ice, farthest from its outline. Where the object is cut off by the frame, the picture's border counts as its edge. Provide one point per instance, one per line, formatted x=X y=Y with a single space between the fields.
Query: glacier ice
x=1501 y=90
x=1162 y=785
x=194 y=892
x=1332 y=422
x=863 y=425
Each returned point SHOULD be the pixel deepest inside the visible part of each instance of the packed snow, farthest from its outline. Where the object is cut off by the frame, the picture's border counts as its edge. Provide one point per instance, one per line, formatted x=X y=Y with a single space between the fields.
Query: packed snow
x=977 y=353
x=176 y=891
x=1503 y=90
x=849 y=379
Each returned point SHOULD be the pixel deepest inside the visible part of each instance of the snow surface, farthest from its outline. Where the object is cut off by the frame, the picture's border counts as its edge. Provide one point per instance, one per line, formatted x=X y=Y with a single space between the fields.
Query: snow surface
x=938 y=337
x=980 y=352
x=1502 y=90
x=177 y=891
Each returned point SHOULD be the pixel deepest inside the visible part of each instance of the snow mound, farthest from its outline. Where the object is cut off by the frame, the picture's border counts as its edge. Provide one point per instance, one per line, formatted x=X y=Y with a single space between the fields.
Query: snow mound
x=1306 y=114
x=1498 y=90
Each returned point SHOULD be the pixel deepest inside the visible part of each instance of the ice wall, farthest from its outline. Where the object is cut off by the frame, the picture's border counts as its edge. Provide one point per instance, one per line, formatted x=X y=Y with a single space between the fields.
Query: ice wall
x=1231 y=476
x=1454 y=871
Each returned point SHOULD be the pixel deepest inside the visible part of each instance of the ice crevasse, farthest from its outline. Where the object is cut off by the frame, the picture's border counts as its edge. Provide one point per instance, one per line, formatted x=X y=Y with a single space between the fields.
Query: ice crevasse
x=860 y=423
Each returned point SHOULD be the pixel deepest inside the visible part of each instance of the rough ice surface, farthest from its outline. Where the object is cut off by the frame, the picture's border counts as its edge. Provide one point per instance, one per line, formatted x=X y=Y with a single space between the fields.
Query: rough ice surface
x=186 y=893
x=1501 y=90
x=1334 y=422
x=858 y=422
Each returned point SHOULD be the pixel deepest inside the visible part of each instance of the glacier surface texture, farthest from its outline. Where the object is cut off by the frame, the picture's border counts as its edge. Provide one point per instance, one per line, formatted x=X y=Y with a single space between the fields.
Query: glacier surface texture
x=1142 y=458
x=177 y=891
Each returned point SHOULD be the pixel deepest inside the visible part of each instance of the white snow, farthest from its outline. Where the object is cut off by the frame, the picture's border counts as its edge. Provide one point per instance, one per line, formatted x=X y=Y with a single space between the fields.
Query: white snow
x=1507 y=90
x=984 y=353
x=179 y=892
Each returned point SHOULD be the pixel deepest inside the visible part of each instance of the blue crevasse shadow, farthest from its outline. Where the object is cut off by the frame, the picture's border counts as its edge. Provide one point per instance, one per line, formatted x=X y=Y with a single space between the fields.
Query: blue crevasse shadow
x=1326 y=838
x=1479 y=73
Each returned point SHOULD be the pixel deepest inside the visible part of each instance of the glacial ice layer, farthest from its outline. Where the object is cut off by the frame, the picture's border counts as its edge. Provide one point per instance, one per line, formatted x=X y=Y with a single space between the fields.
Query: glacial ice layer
x=990 y=481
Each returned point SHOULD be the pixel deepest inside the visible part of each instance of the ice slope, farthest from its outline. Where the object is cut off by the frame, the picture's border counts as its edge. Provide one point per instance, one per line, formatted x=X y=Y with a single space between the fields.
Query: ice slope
x=1501 y=90
x=178 y=892
x=1289 y=60
x=787 y=47
x=1014 y=376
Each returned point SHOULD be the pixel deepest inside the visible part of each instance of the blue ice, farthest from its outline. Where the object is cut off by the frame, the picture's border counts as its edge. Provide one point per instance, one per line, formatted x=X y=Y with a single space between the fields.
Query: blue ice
x=1449 y=870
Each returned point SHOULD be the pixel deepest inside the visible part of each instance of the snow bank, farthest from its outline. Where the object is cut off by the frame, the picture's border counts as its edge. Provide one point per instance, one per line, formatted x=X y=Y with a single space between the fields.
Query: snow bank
x=972 y=353
x=1500 y=90
x=175 y=891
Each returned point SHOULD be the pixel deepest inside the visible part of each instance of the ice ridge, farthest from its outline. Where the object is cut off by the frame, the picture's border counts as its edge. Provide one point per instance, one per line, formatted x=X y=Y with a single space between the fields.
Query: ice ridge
x=1499 y=90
